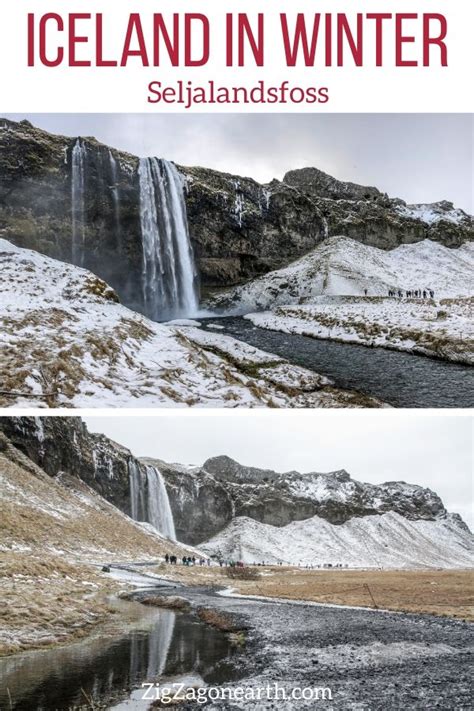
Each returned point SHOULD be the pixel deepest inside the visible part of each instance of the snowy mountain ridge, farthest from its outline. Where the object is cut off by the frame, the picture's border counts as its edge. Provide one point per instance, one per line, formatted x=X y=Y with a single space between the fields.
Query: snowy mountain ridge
x=206 y=499
x=432 y=213
x=387 y=541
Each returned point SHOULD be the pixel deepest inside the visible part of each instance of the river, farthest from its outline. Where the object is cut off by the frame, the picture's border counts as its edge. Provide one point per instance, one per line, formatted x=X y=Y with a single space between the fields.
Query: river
x=399 y=379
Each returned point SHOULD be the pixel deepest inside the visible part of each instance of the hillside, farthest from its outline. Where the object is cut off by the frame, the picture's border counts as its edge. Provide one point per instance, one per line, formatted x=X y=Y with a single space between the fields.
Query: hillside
x=344 y=267
x=347 y=291
x=66 y=341
x=56 y=532
x=386 y=541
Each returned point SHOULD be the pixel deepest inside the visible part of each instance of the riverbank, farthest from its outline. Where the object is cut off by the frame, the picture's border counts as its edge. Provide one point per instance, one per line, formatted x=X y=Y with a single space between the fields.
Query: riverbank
x=34 y=588
x=367 y=659
x=439 y=329
x=399 y=378
x=445 y=593
x=67 y=342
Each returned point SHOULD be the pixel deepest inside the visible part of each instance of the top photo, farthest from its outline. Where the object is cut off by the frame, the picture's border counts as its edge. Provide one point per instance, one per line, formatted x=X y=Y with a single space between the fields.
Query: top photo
x=237 y=261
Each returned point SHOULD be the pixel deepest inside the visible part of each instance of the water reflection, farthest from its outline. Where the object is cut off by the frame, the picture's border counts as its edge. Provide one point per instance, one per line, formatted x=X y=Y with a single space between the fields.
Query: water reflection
x=107 y=668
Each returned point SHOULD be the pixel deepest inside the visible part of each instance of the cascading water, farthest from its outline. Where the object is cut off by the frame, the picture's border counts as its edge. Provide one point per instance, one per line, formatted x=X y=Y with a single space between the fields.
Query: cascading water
x=78 y=180
x=169 y=272
x=138 y=503
x=159 y=509
x=116 y=200
x=149 y=499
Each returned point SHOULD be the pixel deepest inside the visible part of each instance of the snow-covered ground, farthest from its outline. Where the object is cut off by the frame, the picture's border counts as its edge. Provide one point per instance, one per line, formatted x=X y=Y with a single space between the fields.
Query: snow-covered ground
x=341 y=266
x=442 y=329
x=386 y=541
x=340 y=291
x=66 y=341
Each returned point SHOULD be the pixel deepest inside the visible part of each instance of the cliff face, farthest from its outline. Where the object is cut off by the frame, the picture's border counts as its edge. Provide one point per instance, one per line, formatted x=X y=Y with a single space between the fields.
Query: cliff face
x=36 y=204
x=239 y=228
x=204 y=500
x=63 y=444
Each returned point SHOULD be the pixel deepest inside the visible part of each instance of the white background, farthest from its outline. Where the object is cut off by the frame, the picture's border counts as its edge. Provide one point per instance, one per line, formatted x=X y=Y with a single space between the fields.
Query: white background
x=387 y=89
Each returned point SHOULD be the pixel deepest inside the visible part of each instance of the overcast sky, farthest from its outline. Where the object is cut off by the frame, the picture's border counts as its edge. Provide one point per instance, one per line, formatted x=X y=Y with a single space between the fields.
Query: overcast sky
x=418 y=157
x=433 y=451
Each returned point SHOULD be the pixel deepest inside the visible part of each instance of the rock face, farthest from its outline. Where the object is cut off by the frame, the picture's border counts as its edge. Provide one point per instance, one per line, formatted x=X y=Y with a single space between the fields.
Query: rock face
x=63 y=444
x=204 y=500
x=36 y=204
x=239 y=229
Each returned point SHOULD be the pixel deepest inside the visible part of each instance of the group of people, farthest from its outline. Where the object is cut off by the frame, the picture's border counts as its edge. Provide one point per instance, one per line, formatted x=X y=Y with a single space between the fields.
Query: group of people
x=409 y=294
x=326 y=565
x=231 y=563
x=187 y=560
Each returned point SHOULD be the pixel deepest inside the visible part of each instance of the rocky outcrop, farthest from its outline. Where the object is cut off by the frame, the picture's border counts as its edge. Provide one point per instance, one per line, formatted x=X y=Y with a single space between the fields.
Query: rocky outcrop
x=204 y=500
x=63 y=444
x=36 y=204
x=321 y=185
x=239 y=229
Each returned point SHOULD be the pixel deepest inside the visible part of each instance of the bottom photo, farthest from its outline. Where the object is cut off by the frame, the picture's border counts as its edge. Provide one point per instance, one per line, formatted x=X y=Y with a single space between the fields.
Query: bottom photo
x=261 y=560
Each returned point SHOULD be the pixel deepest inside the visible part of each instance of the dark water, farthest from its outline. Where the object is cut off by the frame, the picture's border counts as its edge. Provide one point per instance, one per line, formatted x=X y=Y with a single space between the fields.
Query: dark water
x=109 y=669
x=400 y=379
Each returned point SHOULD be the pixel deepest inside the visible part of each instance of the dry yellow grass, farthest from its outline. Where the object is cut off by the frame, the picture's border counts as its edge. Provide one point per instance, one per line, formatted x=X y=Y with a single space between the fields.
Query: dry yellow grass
x=51 y=531
x=49 y=516
x=437 y=592
x=46 y=601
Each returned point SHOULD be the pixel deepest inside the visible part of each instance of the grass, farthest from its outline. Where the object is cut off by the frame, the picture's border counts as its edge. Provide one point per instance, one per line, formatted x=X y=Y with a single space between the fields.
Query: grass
x=447 y=593
x=217 y=619
x=46 y=601
x=245 y=573
x=51 y=533
x=170 y=602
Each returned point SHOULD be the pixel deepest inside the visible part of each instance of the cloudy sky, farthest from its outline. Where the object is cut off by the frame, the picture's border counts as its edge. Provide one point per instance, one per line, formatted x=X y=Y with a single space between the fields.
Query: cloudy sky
x=431 y=450
x=418 y=157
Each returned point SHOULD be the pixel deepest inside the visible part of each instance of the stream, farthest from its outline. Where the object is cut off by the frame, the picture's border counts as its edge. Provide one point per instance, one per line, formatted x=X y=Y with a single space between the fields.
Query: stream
x=153 y=644
x=399 y=379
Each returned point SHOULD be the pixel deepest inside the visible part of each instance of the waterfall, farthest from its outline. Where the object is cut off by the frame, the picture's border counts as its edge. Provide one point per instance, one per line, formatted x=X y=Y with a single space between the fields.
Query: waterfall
x=137 y=492
x=169 y=272
x=78 y=174
x=149 y=499
x=159 y=509
x=116 y=199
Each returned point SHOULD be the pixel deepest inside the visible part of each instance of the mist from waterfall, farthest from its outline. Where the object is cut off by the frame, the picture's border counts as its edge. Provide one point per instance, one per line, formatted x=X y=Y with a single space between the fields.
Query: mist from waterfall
x=149 y=499
x=78 y=181
x=169 y=275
